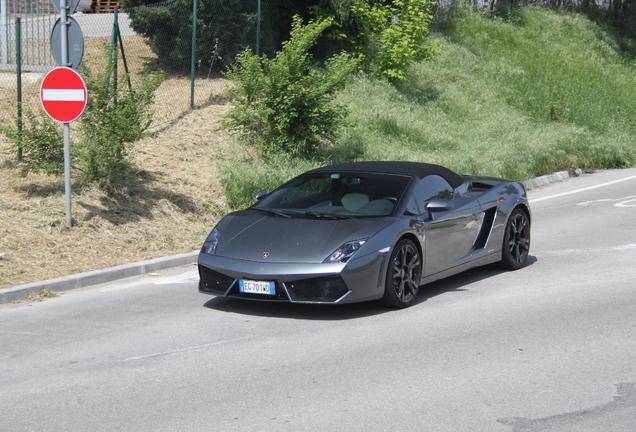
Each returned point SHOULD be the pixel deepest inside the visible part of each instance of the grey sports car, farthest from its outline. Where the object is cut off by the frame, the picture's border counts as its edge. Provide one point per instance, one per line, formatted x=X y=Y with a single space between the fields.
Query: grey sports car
x=365 y=231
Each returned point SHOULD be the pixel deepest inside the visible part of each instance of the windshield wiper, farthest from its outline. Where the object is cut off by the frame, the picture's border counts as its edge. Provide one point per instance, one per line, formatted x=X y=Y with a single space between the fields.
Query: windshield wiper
x=327 y=215
x=272 y=212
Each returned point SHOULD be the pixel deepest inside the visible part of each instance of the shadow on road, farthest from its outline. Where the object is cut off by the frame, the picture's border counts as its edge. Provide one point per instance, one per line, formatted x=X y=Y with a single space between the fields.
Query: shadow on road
x=614 y=415
x=452 y=284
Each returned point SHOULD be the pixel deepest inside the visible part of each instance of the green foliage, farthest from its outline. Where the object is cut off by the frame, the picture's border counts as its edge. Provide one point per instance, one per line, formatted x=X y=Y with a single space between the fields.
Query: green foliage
x=224 y=29
x=393 y=33
x=112 y=121
x=480 y=106
x=42 y=144
x=241 y=180
x=285 y=104
x=168 y=27
x=519 y=100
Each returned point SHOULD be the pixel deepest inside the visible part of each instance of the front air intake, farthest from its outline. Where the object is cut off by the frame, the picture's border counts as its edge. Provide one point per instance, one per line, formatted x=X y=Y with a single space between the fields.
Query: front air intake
x=213 y=282
x=322 y=289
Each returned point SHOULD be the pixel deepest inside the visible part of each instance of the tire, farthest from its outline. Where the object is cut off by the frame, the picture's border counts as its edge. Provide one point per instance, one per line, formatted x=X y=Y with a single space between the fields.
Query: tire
x=402 y=282
x=516 y=243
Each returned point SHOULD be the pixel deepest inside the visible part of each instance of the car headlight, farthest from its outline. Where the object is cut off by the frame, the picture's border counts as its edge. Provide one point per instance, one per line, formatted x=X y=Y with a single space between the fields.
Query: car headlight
x=346 y=251
x=209 y=247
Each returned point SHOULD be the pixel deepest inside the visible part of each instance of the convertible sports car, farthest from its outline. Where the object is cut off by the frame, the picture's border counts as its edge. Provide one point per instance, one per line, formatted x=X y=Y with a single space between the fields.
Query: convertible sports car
x=365 y=231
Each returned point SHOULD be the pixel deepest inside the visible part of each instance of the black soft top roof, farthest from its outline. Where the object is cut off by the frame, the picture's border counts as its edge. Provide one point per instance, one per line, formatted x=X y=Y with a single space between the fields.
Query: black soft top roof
x=412 y=169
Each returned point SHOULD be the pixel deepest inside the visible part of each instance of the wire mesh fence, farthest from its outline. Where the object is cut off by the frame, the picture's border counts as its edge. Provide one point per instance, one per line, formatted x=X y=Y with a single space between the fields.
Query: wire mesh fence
x=153 y=37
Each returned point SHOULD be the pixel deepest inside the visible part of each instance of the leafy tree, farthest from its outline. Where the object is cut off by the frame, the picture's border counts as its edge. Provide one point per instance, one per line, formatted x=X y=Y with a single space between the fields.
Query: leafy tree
x=393 y=33
x=285 y=104
x=224 y=28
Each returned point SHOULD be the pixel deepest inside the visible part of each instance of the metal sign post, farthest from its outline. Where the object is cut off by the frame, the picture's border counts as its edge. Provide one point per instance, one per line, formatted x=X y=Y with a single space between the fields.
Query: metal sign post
x=70 y=90
x=71 y=6
x=67 y=126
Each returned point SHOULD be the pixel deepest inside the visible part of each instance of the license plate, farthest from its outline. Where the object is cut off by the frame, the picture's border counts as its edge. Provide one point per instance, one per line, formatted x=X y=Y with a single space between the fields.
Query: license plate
x=257 y=287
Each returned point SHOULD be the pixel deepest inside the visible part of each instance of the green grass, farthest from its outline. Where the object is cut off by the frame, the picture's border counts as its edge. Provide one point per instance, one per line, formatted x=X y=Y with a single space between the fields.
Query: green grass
x=549 y=91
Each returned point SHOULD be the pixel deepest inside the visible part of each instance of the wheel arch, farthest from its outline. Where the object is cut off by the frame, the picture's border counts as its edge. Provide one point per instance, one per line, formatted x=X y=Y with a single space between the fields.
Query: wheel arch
x=524 y=207
x=415 y=240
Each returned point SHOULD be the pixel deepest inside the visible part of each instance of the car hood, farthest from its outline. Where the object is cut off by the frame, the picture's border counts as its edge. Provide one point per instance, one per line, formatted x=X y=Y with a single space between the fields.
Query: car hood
x=250 y=235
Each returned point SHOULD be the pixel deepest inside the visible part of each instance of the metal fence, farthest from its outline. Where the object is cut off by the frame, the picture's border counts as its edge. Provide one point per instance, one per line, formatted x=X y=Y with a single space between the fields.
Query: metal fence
x=38 y=18
x=151 y=41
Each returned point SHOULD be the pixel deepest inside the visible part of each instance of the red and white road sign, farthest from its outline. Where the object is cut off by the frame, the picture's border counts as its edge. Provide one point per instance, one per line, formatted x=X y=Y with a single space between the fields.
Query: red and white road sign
x=63 y=94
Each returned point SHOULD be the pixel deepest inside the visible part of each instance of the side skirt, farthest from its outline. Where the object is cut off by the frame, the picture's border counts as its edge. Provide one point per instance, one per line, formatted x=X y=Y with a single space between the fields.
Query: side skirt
x=481 y=261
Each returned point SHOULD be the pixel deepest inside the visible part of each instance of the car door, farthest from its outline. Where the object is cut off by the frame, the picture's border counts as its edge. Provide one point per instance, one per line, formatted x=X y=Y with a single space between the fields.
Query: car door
x=449 y=234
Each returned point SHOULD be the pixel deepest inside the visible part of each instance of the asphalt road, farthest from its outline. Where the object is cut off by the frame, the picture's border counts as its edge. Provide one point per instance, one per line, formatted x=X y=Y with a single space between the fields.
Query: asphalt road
x=551 y=347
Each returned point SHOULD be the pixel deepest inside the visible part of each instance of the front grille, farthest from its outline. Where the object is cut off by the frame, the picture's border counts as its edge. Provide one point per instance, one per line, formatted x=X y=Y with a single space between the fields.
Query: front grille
x=212 y=281
x=324 y=289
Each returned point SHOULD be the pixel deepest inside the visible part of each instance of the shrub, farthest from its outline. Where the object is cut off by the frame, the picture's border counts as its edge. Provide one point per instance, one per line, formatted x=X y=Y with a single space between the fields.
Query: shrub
x=112 y=121
x=285 y=104
x=42 y=144
x=241 y=179
x=224 y=28
x=393 y=33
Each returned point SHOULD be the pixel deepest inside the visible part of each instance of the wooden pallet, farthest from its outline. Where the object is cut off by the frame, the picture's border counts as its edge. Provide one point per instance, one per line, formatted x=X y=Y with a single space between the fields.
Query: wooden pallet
x=101 y=6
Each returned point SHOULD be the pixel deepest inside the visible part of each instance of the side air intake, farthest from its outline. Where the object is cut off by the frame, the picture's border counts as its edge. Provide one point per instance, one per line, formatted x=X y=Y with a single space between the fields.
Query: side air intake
x=486 y=227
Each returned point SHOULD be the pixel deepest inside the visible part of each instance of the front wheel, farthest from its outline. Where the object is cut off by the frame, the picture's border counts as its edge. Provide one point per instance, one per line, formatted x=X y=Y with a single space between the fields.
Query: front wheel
x=403 y=275
x=516 y=244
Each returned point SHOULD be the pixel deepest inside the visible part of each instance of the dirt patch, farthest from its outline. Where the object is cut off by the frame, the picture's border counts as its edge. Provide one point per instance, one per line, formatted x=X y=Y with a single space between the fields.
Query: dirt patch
x=166 y=205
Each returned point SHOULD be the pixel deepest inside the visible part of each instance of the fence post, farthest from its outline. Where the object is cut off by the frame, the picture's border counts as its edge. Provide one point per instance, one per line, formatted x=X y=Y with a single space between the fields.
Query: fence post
x=193 y=55
x=123 y=57
x=115 y=53
x=258 y=27
x=18 y=72
x=4 y=33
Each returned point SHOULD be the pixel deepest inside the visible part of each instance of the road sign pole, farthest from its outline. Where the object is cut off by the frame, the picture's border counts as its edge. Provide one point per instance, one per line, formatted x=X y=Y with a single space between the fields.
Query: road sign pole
x=64 y=35
x=67 y=126
x=67 y=174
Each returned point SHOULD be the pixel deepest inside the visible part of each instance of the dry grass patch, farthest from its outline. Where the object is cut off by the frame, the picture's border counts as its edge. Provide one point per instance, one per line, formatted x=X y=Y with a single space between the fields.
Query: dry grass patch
x=166 y=205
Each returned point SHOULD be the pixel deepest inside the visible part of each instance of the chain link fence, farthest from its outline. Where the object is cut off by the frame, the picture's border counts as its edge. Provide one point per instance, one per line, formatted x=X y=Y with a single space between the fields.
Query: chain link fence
x=153 y=37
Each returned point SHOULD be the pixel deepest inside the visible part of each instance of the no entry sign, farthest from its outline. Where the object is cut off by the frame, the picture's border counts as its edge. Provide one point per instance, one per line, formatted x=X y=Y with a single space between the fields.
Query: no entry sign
x=63 y=94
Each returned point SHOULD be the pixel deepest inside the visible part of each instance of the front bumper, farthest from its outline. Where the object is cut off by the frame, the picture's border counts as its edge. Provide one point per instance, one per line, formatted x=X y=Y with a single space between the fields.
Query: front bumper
x=360 y=279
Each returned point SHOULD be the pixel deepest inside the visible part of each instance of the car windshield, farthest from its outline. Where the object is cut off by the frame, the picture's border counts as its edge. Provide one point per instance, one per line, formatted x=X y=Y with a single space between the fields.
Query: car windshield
x=336 y=195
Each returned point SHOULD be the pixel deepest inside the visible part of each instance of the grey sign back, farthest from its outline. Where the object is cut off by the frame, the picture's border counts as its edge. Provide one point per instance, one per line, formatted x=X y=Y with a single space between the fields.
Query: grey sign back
x=72 y=5
x=75 y=43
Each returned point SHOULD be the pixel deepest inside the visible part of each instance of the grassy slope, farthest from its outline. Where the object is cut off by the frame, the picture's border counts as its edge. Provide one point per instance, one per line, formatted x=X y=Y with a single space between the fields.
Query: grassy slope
x=548 y=92
x=514 y=100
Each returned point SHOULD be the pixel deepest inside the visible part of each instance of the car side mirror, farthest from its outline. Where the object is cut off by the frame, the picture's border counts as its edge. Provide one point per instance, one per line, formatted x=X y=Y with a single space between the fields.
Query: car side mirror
x=437 y=205
x=258 y=196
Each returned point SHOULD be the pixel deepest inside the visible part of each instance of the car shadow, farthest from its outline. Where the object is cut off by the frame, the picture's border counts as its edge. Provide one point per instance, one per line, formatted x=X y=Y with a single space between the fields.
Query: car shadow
x=449 y=285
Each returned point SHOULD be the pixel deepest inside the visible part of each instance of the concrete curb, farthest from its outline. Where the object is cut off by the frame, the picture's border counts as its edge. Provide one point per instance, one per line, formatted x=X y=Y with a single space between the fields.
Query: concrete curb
x=546 y=180
x=81 y=280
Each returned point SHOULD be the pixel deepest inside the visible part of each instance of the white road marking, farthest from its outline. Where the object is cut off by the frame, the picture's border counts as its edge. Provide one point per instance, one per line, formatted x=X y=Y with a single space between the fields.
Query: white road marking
x=118 y=286
x=185 y=349
x=63 y=95
x=186 y=277
x=563 y=252
x=182 y=278
x=628 y=201
x=572 y=192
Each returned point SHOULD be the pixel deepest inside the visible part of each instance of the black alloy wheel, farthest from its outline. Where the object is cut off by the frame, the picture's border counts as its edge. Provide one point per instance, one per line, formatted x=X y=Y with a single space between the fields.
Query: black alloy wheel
x=403 y=275
x=516 y=245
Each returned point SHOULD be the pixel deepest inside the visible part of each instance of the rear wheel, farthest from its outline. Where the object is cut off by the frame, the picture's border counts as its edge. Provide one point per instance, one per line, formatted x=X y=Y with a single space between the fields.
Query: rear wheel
x=403 y=275
x=516 y=244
